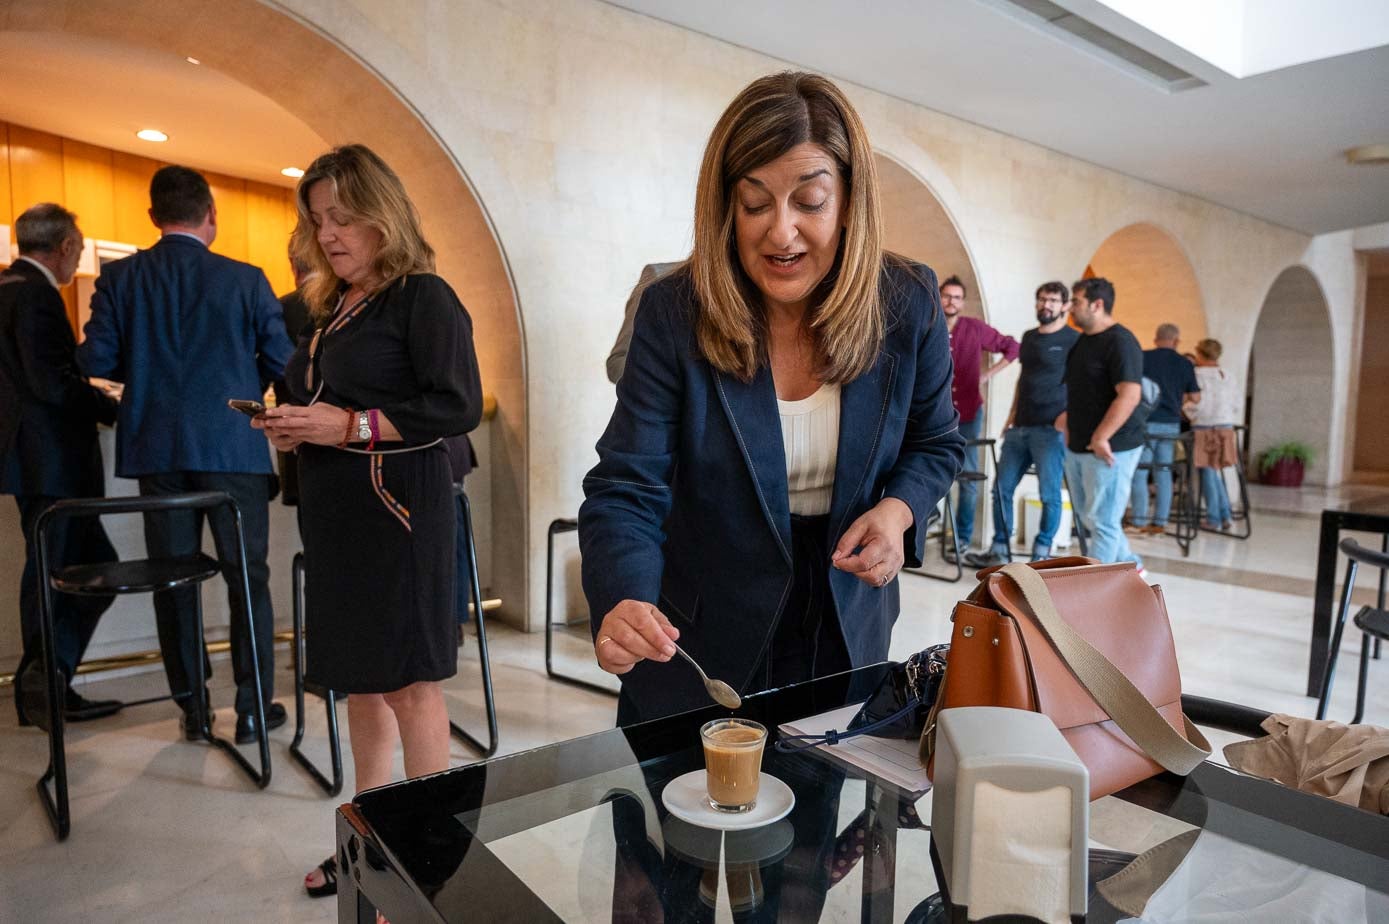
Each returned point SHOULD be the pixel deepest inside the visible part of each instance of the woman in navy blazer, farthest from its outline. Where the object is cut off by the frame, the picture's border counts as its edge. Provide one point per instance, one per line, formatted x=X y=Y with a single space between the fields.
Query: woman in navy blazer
x=764 y=536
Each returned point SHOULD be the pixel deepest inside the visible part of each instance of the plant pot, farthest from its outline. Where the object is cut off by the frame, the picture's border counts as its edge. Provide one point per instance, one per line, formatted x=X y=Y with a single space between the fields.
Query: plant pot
x=1285 y=473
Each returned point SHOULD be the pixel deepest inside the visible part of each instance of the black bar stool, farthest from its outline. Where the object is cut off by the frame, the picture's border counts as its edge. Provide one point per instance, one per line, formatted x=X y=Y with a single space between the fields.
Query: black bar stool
x=334 y=786
x=947 y=522
x=475 y=590
x=133 y=577
x=963 y=476
x=1077 y=527
x=1372 y=621
x=562 y=525
x=1183 y=512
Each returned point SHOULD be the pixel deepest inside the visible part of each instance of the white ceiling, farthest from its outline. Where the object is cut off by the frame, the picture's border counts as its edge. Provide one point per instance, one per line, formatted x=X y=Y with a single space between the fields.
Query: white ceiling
x=103 y=92
x=1270 y=145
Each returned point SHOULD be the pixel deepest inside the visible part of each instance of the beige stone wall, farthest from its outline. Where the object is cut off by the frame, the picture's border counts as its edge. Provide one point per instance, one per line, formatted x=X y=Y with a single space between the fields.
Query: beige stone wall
x=1293 y=369
x=581 y=126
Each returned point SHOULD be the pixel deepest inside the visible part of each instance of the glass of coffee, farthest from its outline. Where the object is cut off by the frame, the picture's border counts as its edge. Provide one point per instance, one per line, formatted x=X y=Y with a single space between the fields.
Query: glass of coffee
x=733 y=762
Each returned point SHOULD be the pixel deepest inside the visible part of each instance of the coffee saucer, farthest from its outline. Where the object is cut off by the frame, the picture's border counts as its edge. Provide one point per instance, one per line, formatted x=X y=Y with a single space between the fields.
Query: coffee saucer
x=687 y=798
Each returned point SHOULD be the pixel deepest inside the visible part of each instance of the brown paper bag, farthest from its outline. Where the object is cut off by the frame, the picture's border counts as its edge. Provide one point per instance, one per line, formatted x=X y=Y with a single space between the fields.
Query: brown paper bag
x=1347 y=763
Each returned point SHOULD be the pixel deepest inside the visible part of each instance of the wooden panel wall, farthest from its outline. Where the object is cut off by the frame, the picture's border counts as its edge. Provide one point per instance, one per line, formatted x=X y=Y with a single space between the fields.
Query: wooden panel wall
x=109 y=191
x=5 y=216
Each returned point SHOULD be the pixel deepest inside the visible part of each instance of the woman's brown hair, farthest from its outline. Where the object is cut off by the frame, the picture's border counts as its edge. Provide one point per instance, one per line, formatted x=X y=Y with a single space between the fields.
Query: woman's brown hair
x=1210 y=349
x=365 y=187
x=768 y=118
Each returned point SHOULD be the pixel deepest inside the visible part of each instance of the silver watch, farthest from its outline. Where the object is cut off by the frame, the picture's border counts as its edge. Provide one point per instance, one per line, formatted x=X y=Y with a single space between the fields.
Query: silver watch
x=363 y=426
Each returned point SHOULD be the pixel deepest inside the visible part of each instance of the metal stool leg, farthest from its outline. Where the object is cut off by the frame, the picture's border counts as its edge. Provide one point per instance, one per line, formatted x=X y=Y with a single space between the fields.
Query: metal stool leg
x=948 y=521
x=556 y=527
x=1335 y=651
x=1077 y=525
x=475 y=584
x=55 y=803
x=334 y=786
x=261 y=777
x=1383 y=580
x=1364 y=677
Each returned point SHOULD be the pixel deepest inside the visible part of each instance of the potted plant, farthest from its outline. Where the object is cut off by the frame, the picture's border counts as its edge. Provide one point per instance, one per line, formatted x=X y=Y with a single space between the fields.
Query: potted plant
x=1283 y=465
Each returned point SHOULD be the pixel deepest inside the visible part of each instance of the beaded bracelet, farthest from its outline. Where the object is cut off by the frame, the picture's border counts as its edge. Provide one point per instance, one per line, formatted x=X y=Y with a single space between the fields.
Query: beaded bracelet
x=351 y=426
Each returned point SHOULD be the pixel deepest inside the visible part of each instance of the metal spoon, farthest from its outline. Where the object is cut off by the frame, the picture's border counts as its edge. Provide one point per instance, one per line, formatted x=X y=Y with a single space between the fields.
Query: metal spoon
x=722 y=693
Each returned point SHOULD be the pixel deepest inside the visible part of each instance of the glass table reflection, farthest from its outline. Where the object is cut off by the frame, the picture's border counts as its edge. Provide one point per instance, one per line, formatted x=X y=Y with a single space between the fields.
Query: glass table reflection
x=576 y=831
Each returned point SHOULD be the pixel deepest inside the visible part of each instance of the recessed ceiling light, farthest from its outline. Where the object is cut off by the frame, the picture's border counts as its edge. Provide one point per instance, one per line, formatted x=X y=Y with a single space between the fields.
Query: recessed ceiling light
x=151 y=134
x=1369 y=154
x=192 y=60
x=293 y=173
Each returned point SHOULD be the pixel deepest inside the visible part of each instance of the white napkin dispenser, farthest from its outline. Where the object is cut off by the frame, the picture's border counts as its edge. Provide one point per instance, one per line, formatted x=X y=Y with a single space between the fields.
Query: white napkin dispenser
x=1010 y=816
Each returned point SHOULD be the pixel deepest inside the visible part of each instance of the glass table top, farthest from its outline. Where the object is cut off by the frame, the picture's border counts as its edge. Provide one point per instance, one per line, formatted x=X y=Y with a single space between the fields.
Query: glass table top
x=576 y=831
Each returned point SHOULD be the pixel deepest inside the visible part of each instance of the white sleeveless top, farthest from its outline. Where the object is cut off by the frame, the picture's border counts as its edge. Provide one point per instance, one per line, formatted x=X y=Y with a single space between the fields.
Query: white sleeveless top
x=810 y=436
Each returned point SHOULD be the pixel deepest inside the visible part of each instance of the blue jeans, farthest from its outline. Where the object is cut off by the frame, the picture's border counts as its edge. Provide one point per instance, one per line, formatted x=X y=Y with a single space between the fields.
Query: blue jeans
x=1023 y=446
x=969 y=490
x=1099 y=494
x=1156 y=452
x=1217 y=498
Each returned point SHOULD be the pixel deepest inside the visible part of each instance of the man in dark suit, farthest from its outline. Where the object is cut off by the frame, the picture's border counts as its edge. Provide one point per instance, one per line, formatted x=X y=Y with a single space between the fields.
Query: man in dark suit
x=49 y=449
x=186 y=329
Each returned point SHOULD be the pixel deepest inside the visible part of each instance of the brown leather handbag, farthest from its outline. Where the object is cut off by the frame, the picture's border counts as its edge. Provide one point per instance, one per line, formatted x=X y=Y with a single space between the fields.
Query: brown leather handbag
x=1086 y=644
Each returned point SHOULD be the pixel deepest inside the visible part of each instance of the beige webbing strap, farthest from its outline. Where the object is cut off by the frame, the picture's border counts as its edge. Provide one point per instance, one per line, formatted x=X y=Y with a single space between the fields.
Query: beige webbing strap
x=1129 y=708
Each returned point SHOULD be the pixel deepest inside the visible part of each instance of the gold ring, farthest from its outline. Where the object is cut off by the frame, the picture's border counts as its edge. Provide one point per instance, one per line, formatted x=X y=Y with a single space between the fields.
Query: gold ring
x=606 y=638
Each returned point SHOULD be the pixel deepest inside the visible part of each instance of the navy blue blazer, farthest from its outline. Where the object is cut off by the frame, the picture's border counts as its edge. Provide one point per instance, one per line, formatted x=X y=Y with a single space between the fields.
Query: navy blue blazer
x=185 y=329
x=48 y=412
x=688 y=508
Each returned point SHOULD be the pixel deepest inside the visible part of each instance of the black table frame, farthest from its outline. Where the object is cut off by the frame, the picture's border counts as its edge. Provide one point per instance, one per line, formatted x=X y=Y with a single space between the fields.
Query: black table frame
x=373 y=875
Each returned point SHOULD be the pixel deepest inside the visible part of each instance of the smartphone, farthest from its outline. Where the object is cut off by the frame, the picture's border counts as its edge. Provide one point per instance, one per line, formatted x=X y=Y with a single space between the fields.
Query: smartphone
x=249 y=408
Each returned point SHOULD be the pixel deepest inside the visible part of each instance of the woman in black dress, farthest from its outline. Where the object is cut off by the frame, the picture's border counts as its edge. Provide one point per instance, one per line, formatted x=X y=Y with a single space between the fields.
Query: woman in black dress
x=388 y=373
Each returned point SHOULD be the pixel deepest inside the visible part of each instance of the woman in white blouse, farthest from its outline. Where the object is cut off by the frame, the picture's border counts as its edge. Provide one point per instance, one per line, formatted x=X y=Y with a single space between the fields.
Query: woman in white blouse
x=783 y=425
x=1213 y=422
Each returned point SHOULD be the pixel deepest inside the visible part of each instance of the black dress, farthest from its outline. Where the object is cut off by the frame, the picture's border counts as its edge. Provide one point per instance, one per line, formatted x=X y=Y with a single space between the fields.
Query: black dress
x=379 y=528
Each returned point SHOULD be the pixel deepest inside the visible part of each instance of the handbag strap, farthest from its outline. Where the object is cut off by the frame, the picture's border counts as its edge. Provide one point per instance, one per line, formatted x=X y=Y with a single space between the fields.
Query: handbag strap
x=1128 y=707
x=790 y=744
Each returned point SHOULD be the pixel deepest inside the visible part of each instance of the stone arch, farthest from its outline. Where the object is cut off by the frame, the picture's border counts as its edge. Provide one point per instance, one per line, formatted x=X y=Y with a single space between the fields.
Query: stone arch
x=1154 y=282
x=1291 y=381
x=342 y=99
x=916 y=224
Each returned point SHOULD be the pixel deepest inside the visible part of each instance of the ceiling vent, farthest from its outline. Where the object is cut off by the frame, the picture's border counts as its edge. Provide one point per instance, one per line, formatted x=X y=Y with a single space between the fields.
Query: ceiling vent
x=1083 y=34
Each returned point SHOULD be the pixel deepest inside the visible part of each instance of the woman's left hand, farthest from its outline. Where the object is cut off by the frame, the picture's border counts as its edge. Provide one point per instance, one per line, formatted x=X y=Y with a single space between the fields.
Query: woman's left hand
x=321 y=424
x=871 y=548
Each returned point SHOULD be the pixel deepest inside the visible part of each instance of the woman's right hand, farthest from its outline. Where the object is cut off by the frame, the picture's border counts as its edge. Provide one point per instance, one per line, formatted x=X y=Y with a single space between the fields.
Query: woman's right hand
x=634 y=631
x=282 y=442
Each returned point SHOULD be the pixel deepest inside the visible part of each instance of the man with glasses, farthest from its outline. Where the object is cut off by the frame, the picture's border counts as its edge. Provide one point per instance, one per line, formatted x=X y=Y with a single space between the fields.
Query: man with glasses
x=1030 y=435
x=970 y=338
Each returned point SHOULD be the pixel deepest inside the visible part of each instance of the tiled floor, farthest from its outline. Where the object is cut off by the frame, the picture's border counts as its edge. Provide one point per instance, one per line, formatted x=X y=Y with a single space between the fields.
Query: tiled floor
x=165 y=830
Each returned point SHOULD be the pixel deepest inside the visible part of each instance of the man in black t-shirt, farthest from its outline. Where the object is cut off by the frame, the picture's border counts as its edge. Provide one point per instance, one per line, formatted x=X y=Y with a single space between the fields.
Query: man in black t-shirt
x=1030 y=435
x=1104 y=440
x=1176 y=377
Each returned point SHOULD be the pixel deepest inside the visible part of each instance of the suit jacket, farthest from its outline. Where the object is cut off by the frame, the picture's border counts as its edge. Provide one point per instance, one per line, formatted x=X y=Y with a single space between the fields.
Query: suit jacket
x=48 y=412
x=688 y=507
x=185 y=329
x=617 y=359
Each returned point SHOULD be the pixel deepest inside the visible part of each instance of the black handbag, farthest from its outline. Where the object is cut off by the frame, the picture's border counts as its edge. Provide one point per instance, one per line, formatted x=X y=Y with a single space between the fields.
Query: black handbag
x=897 y=709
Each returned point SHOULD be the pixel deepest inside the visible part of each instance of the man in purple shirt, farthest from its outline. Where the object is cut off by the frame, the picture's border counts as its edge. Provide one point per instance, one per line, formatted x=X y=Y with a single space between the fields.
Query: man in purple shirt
x=970 y=338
